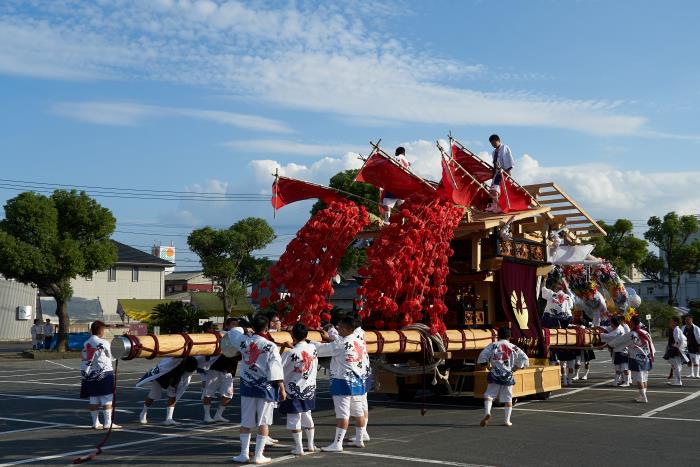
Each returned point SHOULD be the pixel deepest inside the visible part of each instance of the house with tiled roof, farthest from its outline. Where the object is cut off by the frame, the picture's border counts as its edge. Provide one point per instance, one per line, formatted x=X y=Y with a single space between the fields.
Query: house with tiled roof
x=135 y=275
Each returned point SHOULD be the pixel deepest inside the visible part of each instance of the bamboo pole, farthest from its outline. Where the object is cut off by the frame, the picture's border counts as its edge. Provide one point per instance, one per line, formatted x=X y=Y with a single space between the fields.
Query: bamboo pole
x=378 y=342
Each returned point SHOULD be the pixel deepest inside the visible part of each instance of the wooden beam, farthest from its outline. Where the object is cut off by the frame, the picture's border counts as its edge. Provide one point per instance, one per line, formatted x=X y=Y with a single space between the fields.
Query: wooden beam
x=565 y=208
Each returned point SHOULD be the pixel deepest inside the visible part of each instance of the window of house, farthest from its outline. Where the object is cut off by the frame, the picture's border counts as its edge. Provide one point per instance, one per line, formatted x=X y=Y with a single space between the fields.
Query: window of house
x=89 y=277
x=135 y=274
x=112 y=274
x=650 y=290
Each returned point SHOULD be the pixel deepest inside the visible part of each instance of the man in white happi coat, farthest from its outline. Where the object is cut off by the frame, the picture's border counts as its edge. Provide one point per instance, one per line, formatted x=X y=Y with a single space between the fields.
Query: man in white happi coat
x=172 y=375
x=558 y=314
x=300 y=364
x=620 y=354
x=97 y=375
x=641 y=350
x=692 y=336
x=502 y=358
x=262 y=386
x=676 y=350
x=349 y=370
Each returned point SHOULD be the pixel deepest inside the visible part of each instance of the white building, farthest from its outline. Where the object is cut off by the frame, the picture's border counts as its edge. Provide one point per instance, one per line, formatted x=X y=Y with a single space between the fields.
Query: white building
x=136 y=274
x=688 y=288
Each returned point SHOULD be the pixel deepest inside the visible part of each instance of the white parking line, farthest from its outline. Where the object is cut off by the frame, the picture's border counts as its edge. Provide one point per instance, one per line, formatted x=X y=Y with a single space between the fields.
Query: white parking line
x=672 y=404
x=409 y=459
x=43 y=427
x=161 y=437
x=60 y=364
x=641 y=417
x=586 y=388
x=38 y=382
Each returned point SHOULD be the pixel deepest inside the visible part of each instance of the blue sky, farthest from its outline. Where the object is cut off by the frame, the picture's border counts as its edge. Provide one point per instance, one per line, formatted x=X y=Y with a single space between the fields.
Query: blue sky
x=601 y=97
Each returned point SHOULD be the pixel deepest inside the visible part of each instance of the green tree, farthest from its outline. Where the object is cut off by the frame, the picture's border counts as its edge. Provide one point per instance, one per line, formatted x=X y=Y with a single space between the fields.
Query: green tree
x=661 y=313
x=677 y=255
x=620 y=246
x=174 y=317
x=49 y=240
x=226 y=257
x=367 y=195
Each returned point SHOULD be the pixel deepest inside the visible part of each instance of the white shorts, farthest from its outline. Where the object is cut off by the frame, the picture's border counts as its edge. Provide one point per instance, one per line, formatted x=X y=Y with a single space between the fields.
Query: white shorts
x=365 y=405
x=502 y=391
x=218 y=382
x=640 y=376
x=694 y=358
x=297 y=421
x=348 y=406
x=256 y=412
x=157 y=390
x=101 y=400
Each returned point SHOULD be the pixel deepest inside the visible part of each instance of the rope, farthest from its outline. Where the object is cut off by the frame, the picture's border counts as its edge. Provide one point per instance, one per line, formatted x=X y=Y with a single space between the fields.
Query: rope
x=187 y=346
x=430 y=363
x=98 y=448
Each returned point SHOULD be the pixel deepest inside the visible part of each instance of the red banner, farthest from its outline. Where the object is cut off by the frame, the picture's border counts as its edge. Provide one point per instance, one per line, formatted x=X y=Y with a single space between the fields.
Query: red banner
x=382 y=172
x=513 y=196
x=519 y=304
x=456 y=185
x=288 y=190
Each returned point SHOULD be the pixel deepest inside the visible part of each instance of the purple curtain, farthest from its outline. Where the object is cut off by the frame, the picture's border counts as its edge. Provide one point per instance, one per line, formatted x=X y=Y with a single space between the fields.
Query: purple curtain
x=519 y=303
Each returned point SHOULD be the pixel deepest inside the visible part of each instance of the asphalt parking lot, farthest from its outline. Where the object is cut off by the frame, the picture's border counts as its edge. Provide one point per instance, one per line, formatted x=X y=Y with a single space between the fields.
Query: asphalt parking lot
x=43 y=422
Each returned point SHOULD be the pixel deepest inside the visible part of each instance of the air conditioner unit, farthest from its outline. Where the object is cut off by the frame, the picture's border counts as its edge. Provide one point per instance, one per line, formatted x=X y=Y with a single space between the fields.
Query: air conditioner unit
x=24 y=313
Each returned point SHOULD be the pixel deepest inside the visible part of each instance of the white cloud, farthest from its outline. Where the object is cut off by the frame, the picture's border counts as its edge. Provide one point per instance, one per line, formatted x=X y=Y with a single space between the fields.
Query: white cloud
x=610 y=192
x=292 y=148
x=132 y=113
x=323 y=58
x=319 y=171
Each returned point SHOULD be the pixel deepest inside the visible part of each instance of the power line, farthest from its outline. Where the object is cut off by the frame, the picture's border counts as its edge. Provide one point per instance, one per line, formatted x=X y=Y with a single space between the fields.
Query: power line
x=145 y=196
x=142 y=190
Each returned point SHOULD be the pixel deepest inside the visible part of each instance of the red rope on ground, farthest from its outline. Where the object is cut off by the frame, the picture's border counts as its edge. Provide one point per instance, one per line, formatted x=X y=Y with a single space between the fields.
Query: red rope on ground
x=98 y=448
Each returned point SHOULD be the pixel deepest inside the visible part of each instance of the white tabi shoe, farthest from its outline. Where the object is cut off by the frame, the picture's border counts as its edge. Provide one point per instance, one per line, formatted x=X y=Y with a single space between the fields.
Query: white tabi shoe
x=97 y=426
x=365 y=436
x=270 y=441
x=357 y=444
x=507 y=423
x=208 y=420
x=623 y=385
x=641 y=400
x=261 y=460
x=114 y=427
x=171 y=422
x=333 y=448
x=241 y=459
x=220 y=418
x=312 y=450
x=296 y=452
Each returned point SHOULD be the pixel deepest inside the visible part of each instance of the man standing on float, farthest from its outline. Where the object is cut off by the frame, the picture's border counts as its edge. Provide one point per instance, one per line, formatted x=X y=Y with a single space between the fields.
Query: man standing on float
x=502 y=162
x=389 y=200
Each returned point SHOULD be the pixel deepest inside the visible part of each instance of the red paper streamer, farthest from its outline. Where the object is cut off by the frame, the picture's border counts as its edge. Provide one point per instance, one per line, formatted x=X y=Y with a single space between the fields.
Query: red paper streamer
x=408 y=264
x=311 y=260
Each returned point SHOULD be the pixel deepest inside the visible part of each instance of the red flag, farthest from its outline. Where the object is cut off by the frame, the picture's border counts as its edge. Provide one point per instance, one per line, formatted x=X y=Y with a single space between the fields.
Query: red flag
x=456 y=185
x=513 y=196
x=382 y=172
x=288 y=190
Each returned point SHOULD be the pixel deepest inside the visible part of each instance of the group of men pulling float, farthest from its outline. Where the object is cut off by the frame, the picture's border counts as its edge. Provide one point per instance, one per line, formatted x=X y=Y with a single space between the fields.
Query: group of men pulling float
x=270 y=380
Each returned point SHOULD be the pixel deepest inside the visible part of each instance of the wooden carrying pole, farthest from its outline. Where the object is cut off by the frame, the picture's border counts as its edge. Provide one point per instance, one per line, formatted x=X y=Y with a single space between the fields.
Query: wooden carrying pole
x=378 y=342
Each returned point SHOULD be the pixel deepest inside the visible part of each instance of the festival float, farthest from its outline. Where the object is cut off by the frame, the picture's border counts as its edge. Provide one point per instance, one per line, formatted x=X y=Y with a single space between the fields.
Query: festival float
x=441 y=275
